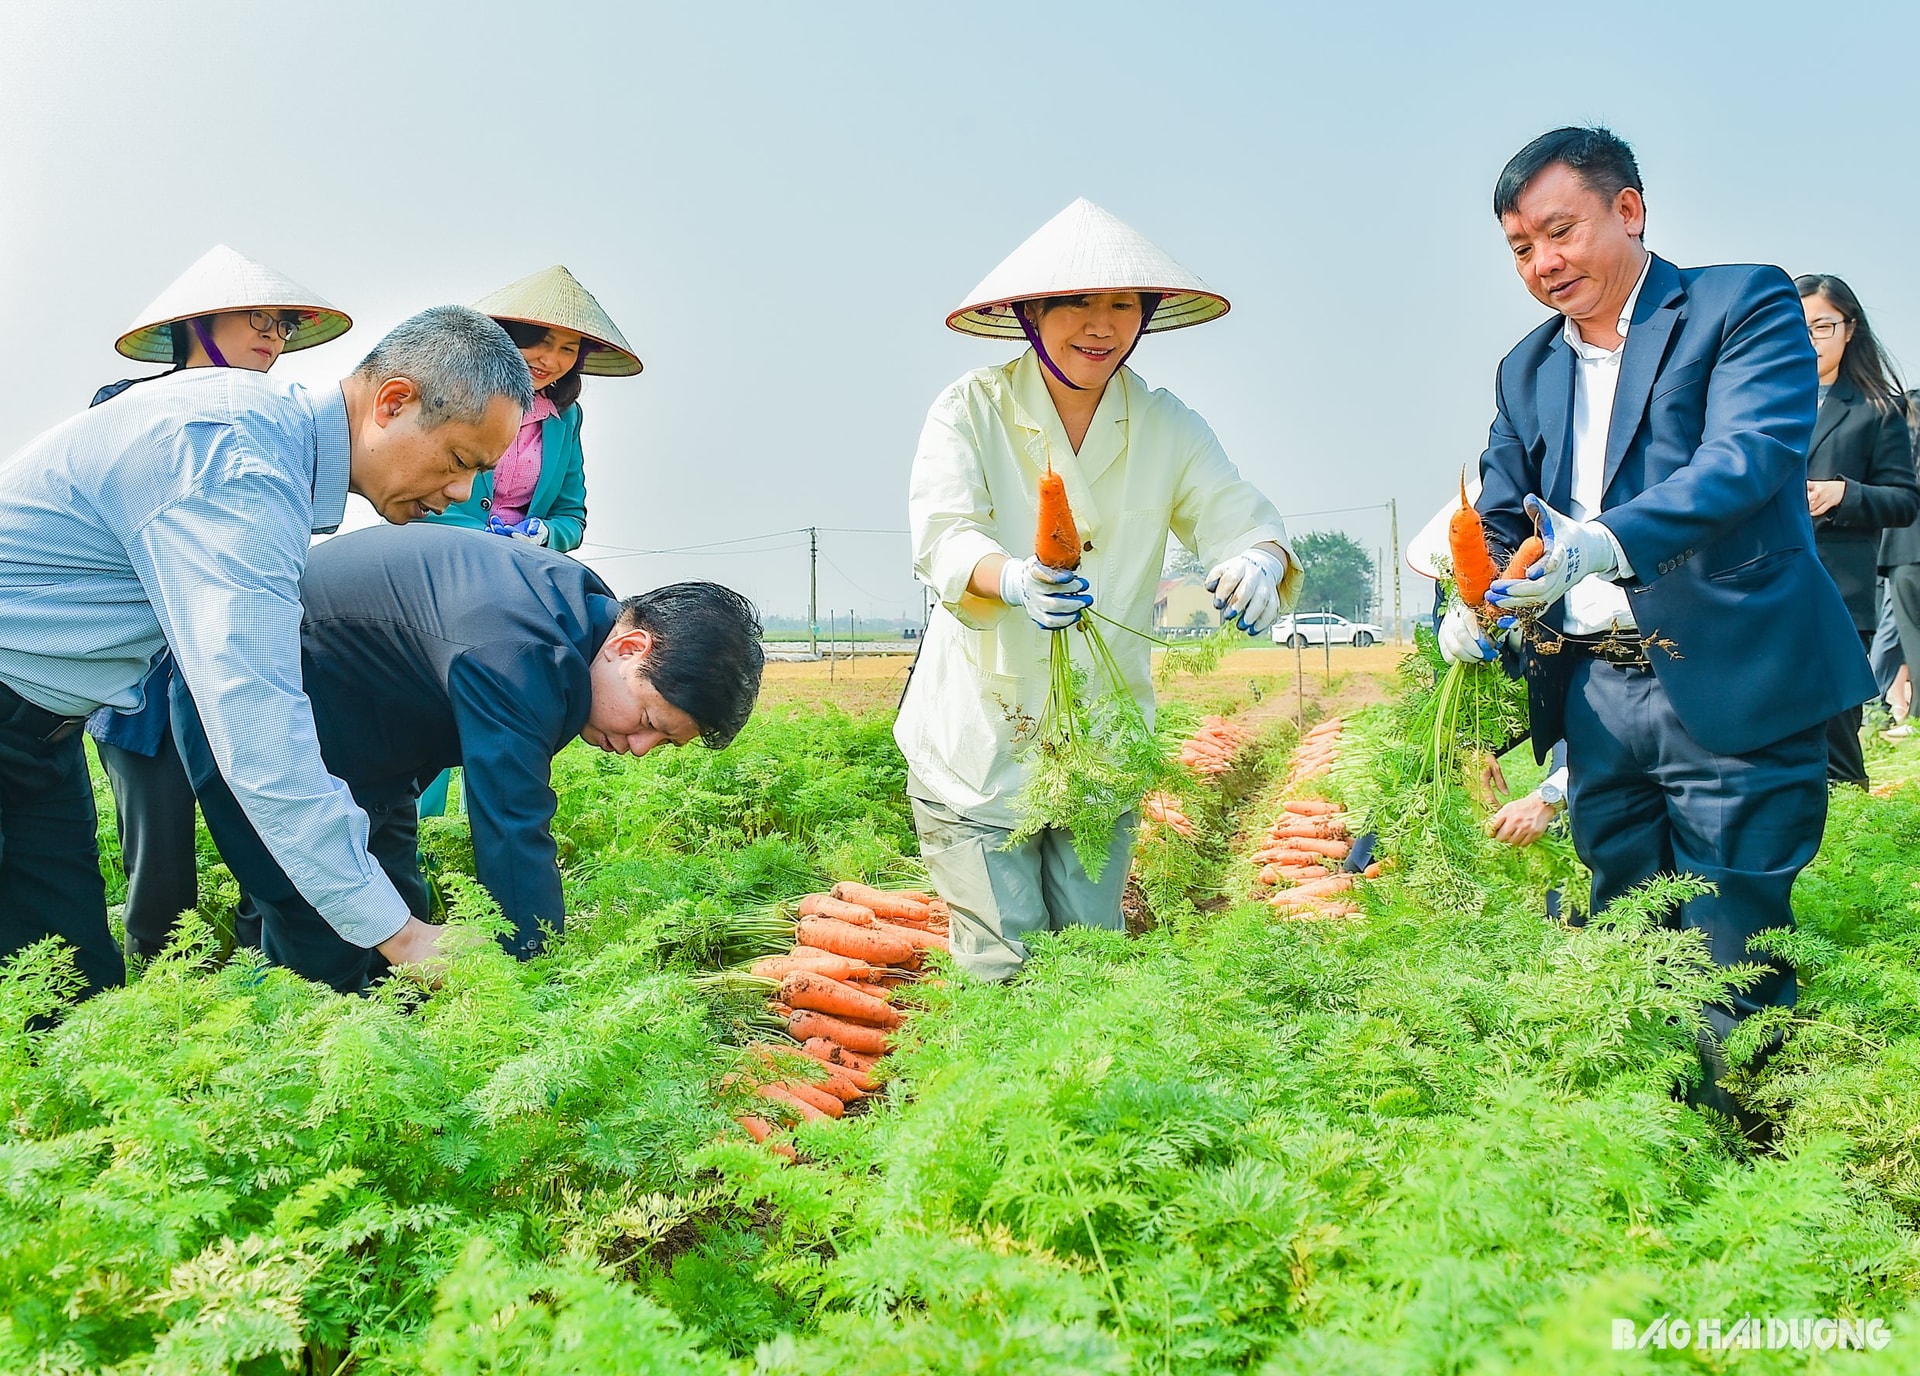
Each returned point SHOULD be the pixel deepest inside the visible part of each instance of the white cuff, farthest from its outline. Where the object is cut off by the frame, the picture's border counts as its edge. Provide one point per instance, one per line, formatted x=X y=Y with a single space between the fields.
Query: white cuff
x=1622 y=568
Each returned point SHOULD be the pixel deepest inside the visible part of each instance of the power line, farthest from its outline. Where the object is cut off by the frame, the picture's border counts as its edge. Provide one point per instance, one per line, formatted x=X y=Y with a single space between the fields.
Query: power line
x=1332 y=511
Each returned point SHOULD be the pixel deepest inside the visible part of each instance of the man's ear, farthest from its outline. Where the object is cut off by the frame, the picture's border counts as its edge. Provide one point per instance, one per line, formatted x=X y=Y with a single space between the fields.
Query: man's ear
x=391 y=398
x=636 y=641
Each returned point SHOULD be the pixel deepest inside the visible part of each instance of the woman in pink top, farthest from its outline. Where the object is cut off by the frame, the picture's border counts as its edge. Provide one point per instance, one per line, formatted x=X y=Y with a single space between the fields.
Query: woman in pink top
x=539 y=490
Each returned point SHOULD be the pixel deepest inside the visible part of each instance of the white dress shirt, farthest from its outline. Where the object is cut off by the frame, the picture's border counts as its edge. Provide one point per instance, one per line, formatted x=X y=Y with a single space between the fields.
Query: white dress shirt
x=1597 y=604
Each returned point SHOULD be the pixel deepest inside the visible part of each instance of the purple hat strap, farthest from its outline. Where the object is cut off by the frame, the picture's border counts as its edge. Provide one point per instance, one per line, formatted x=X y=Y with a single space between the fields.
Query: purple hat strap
x=201 y=333
x=1150 y=300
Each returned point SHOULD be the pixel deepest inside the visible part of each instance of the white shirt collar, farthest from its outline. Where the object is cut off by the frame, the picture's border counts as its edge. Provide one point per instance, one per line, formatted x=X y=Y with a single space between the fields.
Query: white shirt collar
x=1594 y=351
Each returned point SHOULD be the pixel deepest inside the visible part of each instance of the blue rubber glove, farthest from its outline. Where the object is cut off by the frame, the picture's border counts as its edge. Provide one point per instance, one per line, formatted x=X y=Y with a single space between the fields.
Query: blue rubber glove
x=1575 y=550
x=532 y=529
x=1054 y=598
x=1246 y=589
x=1461 y=639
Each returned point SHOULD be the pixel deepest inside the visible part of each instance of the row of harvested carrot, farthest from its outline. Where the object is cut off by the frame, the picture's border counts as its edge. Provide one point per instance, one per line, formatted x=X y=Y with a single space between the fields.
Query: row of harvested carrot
x=1212 y=749
x=1305 y=850
x=855 y=947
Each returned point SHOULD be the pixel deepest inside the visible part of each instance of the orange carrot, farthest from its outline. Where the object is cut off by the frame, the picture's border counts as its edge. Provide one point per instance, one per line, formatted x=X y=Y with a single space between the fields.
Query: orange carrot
x=777 y=1094
x=820 y=905
x=1314 y=845
x=828 y=1103
x=805 y=990
x=868 y=1041
x=1294 y=857
x=1312 y=807
x=1371 y=871
x=1532 y=549
x=1057 y=542
x=1473 y=566
x=883 y=904
x=923 y=940
x=830 y=1053
x=825 y=963
x=872 y=945
x=759 y=1129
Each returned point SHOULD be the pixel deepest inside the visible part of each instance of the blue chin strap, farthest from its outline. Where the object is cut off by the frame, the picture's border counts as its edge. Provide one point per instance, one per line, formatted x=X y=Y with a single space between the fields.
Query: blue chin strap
x=1149 y=303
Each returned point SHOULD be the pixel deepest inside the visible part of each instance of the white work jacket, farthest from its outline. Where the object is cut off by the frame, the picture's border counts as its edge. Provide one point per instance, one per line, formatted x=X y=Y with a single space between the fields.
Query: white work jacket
x=1148 y=465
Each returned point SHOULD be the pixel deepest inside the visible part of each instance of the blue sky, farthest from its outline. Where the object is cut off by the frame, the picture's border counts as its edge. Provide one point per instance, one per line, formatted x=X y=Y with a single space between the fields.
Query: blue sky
x=779 y=202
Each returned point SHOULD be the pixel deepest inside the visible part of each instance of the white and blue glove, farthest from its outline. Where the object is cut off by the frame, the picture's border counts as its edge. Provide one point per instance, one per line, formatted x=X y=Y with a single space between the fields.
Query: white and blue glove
x=1462 y=641
x=532 y=529
x=1575 y=550
x=1054 y=598
x=1246 y=589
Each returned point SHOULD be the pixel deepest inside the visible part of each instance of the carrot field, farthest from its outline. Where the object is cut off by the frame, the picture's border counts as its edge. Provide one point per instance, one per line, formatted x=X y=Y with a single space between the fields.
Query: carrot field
x=1433 y=1134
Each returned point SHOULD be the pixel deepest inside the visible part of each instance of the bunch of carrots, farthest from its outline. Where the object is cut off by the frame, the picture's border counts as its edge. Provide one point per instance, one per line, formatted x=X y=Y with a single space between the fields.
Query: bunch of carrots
x=1308 y=844
x=855 y=947
x=1474 y=567
x=1317 y=751
x=1163 y=809
x=1211 y=749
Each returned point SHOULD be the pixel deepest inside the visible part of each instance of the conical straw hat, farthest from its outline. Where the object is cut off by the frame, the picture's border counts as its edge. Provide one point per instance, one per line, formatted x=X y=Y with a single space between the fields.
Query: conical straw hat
x=227 y=281
x=1429 y=544
x=556 y=299
x=1084 y=249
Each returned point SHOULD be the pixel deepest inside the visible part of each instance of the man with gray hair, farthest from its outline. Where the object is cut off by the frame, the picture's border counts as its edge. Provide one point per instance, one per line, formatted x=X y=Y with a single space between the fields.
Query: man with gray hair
x=179 y=514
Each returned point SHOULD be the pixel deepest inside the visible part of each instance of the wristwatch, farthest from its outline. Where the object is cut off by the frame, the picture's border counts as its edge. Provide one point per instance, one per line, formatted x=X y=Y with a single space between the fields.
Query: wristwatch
x=1553 y=795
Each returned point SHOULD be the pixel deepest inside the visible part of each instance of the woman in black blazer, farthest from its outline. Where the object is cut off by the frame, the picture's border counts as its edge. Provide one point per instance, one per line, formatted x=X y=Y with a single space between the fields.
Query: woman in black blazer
x=1860 y=474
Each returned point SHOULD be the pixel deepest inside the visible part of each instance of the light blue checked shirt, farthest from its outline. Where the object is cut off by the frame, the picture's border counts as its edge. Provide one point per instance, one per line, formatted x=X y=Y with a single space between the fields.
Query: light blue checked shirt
x=179 y=513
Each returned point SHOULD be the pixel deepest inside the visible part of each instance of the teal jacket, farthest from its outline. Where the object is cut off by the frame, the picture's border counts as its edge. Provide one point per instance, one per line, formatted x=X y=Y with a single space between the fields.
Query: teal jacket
x=559 y=498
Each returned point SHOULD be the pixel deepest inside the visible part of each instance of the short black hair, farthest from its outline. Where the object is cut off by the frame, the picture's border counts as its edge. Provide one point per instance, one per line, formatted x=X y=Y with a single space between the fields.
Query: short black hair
x=1599 y=157
x=706 y=658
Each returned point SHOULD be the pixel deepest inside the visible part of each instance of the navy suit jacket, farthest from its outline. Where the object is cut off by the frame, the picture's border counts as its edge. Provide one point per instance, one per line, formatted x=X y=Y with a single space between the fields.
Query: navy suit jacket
x=427 y=646
x=1705 y=488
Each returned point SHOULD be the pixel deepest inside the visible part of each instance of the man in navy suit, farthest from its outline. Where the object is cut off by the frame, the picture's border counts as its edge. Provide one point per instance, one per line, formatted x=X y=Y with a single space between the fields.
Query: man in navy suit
x=1679 y=632
x=424 y=647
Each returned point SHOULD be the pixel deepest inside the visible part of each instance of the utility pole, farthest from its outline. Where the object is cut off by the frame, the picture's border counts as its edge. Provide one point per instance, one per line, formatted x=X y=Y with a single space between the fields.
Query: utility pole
x=1393 y=505
x=813 y=591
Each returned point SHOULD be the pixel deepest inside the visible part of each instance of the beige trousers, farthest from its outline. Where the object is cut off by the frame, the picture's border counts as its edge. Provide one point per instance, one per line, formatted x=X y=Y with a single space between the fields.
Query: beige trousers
x=999 y=897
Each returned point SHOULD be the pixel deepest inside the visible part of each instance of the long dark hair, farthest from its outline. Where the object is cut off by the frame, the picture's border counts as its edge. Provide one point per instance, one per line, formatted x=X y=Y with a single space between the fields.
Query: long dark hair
x=1863 y=364
x=564 y=390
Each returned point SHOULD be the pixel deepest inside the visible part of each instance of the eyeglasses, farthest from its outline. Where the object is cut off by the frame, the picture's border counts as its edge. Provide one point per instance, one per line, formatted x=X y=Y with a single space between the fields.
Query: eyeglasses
x=1824 y=329
x=286 y=326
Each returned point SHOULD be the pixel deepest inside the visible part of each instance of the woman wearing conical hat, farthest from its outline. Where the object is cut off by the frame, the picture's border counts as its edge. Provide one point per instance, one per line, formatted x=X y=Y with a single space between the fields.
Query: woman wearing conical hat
x=538 y=491
x=226 y=311
x=1137 y=465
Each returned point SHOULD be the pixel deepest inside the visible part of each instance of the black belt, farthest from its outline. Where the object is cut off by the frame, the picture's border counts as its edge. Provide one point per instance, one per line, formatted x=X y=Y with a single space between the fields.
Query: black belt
x=35 y=723
x=1625 y=648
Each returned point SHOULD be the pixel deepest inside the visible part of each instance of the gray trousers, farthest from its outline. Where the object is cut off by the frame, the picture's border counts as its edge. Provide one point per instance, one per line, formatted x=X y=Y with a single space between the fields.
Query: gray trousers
x=1000 y=897
x=1903 y=596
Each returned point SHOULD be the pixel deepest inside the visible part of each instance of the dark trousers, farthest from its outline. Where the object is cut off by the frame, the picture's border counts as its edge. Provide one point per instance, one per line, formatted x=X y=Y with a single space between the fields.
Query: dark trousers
x=50 y=882
x=1647 y=799
x=154 y=805
x=292 y=932
x=1845 y=762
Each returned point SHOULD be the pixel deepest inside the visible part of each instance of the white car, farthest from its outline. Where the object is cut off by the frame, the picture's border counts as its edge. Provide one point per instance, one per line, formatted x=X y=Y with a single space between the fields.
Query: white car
x=1321 y=628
